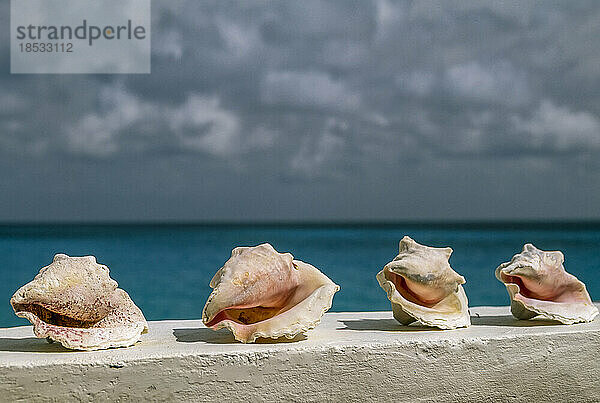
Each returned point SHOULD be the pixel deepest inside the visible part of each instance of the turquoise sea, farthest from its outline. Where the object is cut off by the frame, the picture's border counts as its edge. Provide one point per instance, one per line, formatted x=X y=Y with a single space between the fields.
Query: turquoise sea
x=166 y=268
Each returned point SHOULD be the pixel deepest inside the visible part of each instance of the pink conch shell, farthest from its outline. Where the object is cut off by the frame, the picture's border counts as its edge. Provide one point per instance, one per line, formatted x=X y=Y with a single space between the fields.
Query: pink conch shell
x=539 y=285
x=260 y=292
x=75 y=302
x=422 y=286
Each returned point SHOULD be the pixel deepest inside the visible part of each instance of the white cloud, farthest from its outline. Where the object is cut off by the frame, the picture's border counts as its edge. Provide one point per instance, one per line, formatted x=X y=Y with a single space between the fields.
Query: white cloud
x=96 y=134
x=559 y=127
x=499 y=82
x=92 y=136
x=388 y=15
x=307 y=89
x=239 y=39
x=198 y=124
x=168 y=43
x=318 y=155
x=201 y=124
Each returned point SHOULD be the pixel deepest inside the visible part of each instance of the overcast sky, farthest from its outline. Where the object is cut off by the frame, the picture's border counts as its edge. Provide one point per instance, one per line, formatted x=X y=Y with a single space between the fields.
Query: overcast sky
x=302 y=110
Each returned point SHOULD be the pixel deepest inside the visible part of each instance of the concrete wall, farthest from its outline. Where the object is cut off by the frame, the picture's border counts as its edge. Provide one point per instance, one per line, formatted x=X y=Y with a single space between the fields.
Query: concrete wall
x=349 y=357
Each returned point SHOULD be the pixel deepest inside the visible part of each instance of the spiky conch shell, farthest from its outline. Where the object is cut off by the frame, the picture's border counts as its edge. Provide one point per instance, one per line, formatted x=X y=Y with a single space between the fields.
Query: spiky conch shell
x=260 y=277
x=90 y=311
x=426 y=267
x=535 y=263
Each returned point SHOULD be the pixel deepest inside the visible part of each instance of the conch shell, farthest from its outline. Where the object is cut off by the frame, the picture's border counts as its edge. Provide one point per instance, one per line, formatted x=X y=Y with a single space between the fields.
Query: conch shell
x=75 y=302
x=422 y=286
x=538 y=284
x=260 y=292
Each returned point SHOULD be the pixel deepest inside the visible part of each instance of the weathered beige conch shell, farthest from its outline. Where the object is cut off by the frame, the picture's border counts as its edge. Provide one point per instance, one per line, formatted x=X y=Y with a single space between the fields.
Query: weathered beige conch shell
x=75 y=302
x=260 y=292
x=422 y=286
x=539 y=285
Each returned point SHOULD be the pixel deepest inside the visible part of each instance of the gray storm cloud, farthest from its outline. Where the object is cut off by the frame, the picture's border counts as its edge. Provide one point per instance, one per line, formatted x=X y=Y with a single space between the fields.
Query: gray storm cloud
x=319 y=110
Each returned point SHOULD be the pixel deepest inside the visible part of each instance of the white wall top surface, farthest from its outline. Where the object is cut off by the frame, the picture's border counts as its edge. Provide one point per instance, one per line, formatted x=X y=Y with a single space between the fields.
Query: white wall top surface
x=179 y=338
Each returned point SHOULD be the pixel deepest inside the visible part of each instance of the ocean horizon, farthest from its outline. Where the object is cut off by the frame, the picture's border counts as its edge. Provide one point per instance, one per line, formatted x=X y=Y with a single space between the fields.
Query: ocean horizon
x=166 y=267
